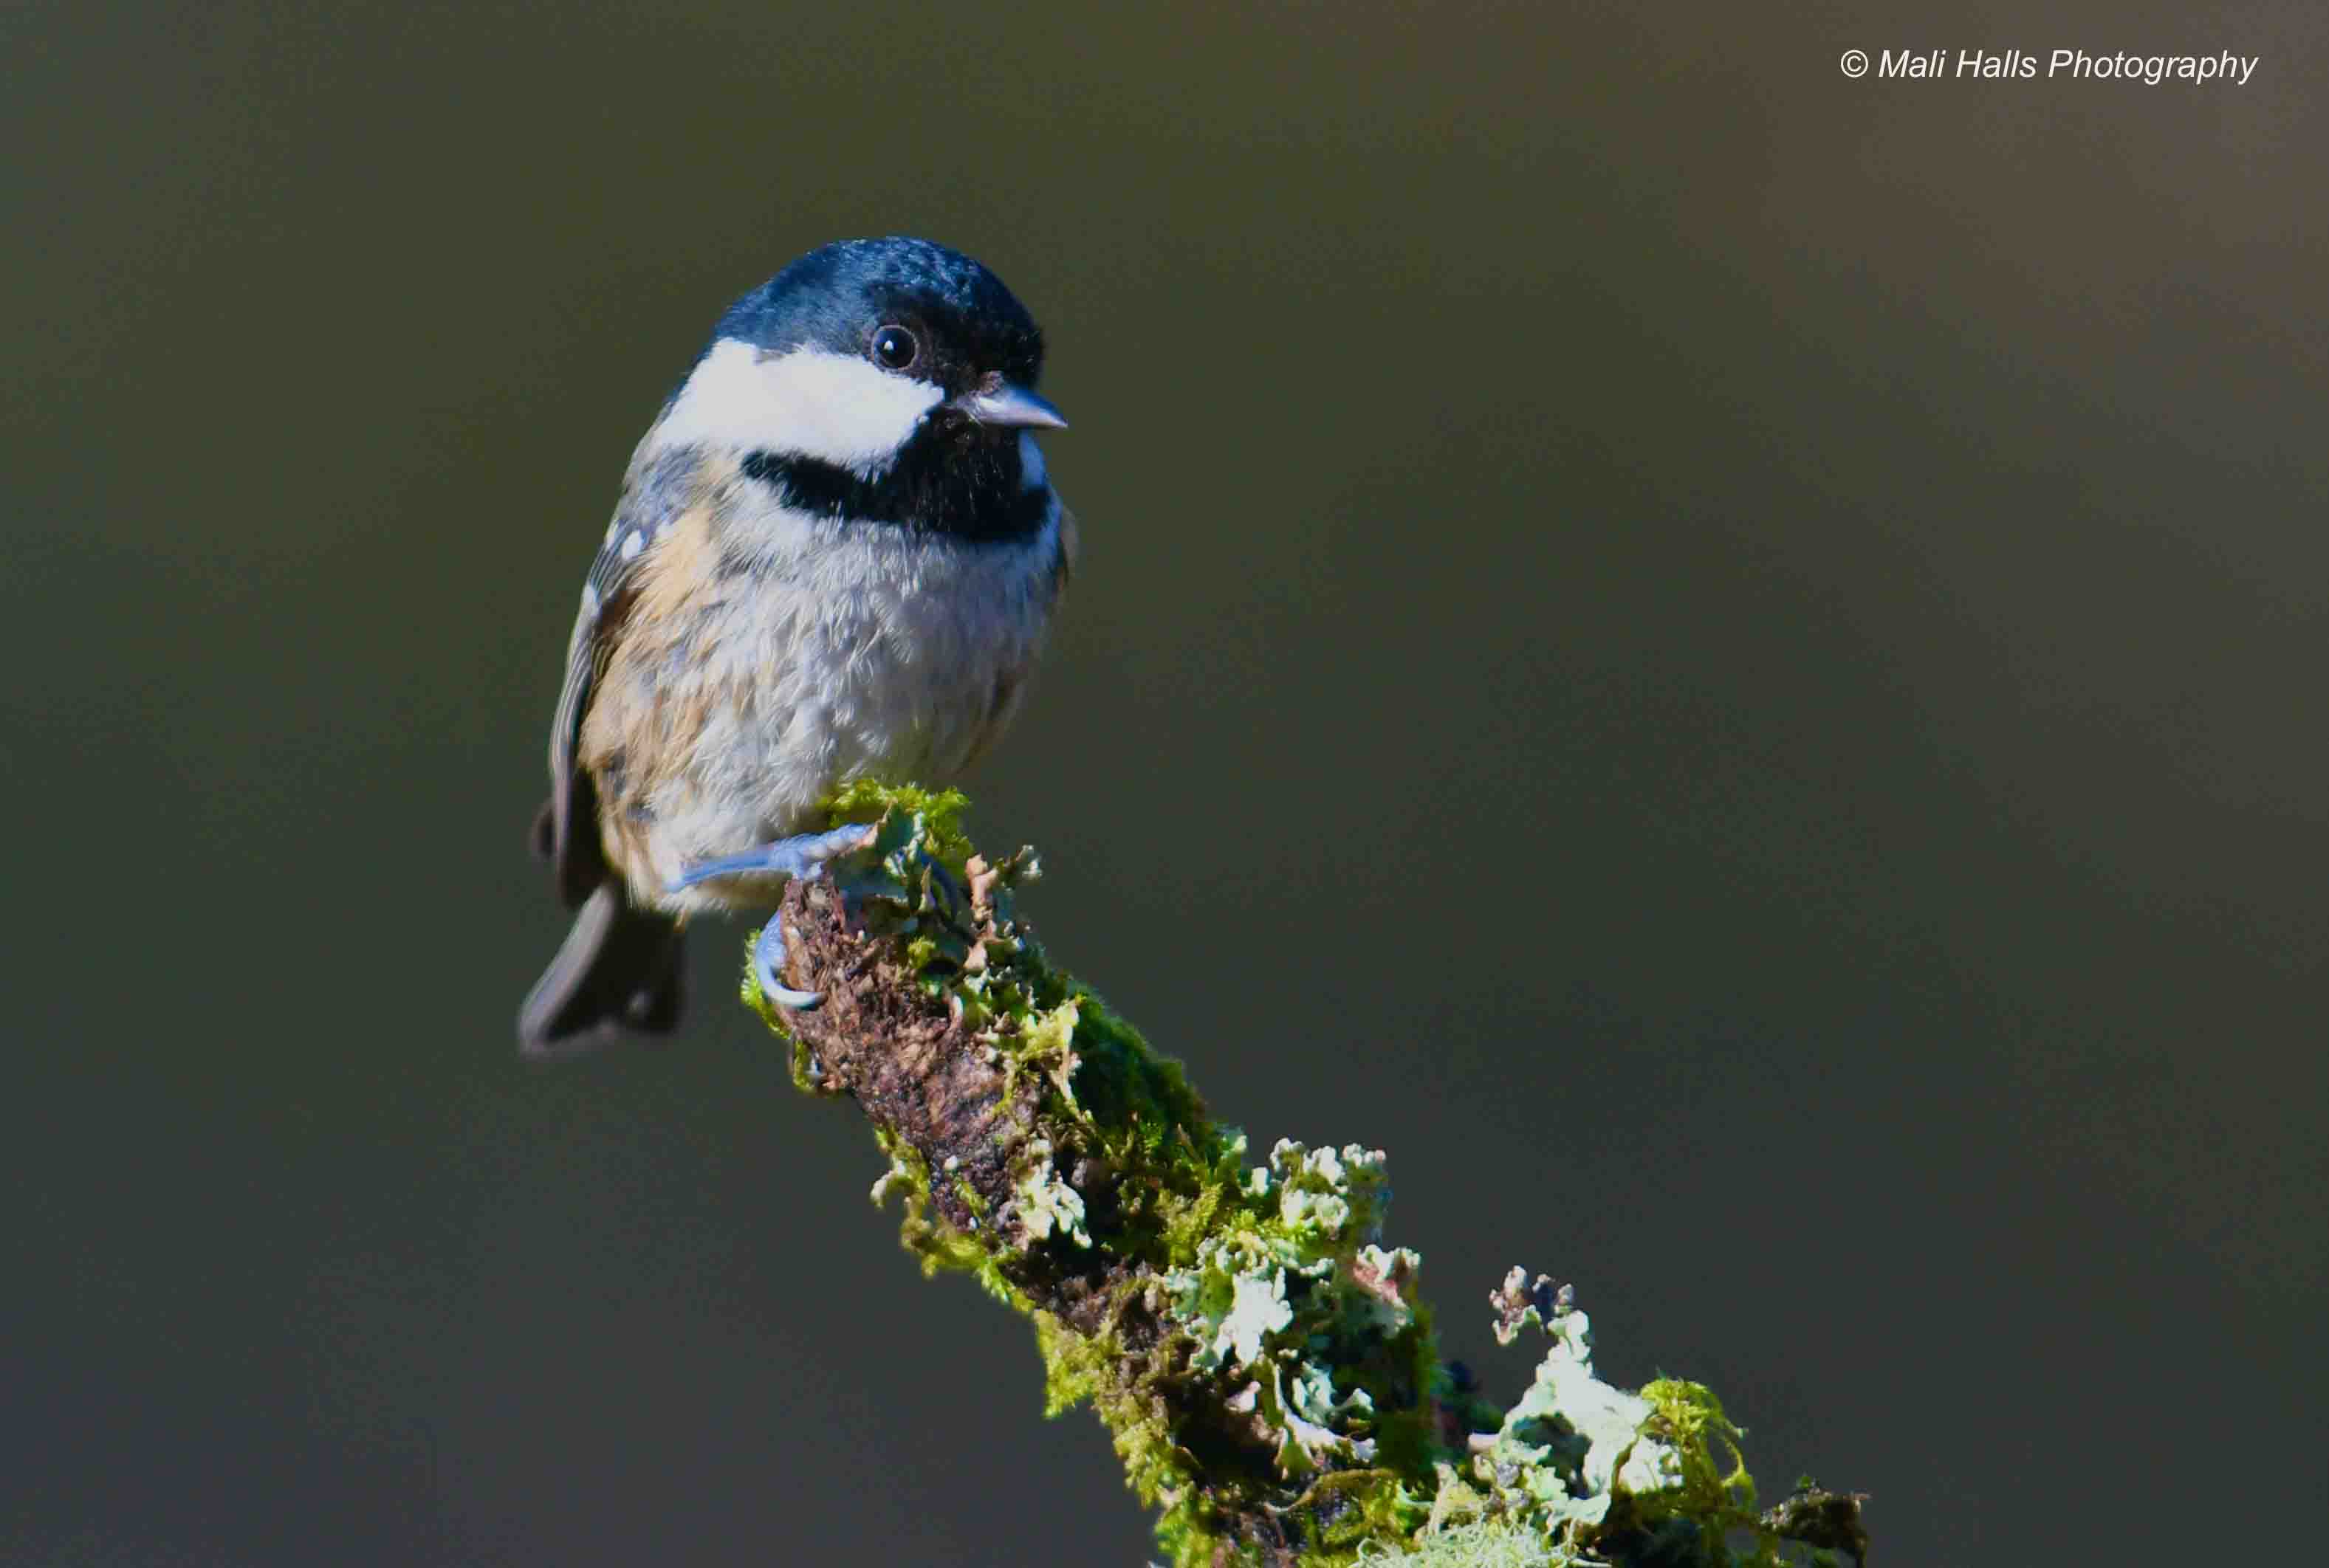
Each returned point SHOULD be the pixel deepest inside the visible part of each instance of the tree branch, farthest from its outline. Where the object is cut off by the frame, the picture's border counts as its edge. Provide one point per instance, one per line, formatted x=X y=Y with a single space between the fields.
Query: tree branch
x=1264 y=1364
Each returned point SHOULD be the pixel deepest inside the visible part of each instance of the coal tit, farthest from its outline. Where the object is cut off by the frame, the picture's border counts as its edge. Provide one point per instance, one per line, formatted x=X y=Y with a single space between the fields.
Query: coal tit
x=835 y=558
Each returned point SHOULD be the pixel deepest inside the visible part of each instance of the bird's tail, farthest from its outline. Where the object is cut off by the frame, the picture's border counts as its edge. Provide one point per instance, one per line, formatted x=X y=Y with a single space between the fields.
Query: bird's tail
x=618 y=973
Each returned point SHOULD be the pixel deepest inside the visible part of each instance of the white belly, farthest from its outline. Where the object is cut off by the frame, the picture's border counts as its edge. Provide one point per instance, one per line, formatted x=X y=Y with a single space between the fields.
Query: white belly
x=864 y=650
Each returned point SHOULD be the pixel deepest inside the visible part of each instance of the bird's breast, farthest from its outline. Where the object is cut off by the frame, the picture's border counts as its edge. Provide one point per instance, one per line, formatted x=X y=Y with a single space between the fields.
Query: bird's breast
x=771 y=660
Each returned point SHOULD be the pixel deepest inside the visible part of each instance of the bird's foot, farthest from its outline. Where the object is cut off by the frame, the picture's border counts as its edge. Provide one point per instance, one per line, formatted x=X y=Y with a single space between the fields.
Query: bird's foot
x=803 y=855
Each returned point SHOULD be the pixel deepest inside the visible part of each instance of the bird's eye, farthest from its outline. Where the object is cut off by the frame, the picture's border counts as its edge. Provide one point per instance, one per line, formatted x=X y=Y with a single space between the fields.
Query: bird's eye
x=894 y=348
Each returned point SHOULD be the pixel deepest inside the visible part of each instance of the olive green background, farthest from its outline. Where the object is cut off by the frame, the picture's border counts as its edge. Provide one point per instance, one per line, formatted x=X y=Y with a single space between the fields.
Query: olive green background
x=1725 y=661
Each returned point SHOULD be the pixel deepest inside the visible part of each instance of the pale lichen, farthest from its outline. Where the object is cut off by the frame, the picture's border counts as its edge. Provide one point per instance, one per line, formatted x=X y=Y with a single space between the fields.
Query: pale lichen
x=1573 y=1444
x=1048 y=1206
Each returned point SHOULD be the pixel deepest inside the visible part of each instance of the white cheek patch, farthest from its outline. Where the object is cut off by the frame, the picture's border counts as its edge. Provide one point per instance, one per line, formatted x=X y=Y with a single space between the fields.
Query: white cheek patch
x=808 y=402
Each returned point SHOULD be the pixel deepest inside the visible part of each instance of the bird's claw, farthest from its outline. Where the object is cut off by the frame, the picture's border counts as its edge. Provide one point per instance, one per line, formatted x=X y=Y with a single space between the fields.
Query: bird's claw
x=768 y=969
x=803 y=855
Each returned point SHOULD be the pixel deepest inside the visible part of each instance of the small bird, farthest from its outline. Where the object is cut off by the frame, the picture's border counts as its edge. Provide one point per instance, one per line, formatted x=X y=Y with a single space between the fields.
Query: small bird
x=835 y=556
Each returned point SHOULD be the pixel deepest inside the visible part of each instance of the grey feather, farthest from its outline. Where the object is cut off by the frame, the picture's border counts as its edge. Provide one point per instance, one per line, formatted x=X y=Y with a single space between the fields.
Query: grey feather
x=654 y=491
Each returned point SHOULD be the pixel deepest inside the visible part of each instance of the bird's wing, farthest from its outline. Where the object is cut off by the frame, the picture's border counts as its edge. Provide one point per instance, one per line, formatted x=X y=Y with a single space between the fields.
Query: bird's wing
x=566 y=833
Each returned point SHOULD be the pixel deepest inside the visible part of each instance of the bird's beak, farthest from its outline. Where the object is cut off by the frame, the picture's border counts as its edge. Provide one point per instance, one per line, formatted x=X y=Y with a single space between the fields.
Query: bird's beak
x=1007 y=405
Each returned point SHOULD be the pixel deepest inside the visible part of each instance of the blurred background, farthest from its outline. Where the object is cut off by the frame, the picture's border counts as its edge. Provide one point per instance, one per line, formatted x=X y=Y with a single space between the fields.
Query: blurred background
x=1726 y=660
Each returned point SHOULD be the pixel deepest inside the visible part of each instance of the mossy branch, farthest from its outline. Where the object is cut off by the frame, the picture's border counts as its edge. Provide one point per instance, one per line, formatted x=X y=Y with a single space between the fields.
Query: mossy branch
x=1265 y=1366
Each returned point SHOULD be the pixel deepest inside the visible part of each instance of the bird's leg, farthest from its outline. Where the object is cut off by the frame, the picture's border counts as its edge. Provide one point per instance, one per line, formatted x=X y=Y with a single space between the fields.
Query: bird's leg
x=803 y=855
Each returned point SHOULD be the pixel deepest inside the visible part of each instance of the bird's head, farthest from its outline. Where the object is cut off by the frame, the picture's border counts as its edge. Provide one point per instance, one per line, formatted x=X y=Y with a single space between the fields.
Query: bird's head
x=889 y=376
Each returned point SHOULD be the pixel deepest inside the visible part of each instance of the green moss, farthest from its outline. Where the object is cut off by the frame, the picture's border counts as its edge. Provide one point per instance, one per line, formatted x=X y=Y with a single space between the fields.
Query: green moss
x=938 y=1246
x=1689 y=1419
x=1284 y=1366
x=933 y=818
